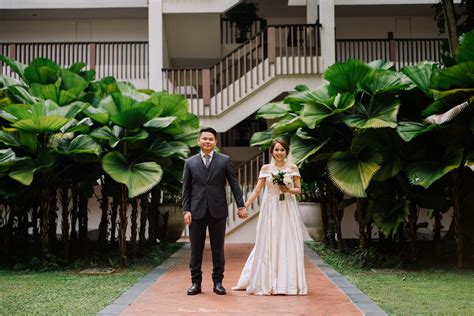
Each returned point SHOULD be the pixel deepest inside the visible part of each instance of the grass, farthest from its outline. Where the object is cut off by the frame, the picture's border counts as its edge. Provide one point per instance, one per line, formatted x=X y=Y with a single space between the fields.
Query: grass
x=67 y=292
x=422 y=291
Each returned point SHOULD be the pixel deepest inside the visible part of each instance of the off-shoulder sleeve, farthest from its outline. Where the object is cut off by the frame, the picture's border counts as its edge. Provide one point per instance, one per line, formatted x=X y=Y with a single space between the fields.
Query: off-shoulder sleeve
x=295 y=172
x=263 y=174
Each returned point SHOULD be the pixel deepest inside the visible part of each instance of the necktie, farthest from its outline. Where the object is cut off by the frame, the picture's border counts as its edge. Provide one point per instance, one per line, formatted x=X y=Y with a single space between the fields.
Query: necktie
x=207 y=160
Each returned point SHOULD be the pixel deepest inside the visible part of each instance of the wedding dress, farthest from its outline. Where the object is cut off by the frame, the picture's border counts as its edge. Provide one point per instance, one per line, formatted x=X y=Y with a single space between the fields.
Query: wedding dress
x=276 y=263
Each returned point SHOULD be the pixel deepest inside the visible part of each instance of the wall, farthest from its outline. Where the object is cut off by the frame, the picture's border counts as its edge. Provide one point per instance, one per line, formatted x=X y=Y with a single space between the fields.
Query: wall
x=378 y=27
x=70 y=30
x=192 y=38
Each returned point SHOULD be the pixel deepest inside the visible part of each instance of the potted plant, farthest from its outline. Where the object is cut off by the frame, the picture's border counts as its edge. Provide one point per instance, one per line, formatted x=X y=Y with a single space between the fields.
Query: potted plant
x=243 y=15
x=310 y=210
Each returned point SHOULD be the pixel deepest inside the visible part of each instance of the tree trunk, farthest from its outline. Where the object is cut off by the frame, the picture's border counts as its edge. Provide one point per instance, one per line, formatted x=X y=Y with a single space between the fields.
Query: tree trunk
x=45 y=206
x=360 y=211
x=368 y=229
x=324 y=213
x=152 y=214
x=333 y=204
x=437 y=225
x=143 y=217
x=450 y=17
x=412 y=221
x=75 y=197
x=64 y=200
x=457 y=217
x=113 y=219
x=104 y=219
x=83 y=222
x=133 y=220
x=123 y=225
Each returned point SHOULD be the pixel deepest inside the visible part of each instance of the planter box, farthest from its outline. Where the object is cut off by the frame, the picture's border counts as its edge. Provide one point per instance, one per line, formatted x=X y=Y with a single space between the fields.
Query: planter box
x=310 y=213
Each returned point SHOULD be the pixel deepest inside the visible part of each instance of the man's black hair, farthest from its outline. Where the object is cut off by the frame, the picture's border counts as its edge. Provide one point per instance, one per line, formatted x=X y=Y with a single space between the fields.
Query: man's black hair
x=209 y=130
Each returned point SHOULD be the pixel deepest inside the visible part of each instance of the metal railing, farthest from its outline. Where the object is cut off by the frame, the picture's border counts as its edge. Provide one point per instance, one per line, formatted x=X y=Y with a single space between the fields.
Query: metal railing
x=276 y=50
x=402 y=52
x=123 y=60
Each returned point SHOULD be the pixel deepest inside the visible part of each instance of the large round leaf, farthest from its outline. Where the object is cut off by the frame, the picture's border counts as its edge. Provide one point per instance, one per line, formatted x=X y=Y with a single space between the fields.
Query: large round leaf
x=170 y=149
x=19 y=139
x=388 y=213
x=263 y=139
x=409 y=130
x=160 y=122
x=42 y=71
x=380 y=113
x=16 y=66
x=425 y=173
x=82 y=144
x=169 y=105
x=466 y=43
x=381 y=80
x=457 y=76
x=345 y=76
x=352 y=172
x=272 y=111
x=314 y=113
x=138 y=178
x=421 y=75
x=303 y=145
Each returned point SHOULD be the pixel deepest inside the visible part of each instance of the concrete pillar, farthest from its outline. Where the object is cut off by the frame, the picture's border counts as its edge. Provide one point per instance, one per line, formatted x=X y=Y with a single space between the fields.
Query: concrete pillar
x=311 y=11
x=155 y=44
x=328 y=32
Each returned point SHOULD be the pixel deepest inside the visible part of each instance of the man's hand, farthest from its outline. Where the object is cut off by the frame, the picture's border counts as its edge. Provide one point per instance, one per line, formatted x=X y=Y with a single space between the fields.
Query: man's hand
x=242 y=212
x=188 y=218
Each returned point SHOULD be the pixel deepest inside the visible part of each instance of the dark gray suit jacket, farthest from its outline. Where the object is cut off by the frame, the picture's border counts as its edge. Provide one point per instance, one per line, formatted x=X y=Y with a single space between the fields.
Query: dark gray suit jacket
x=205 y=187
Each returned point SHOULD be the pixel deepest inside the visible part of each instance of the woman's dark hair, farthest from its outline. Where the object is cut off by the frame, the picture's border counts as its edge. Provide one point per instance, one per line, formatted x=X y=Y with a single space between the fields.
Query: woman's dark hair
x=281 y=142
x=209 y=130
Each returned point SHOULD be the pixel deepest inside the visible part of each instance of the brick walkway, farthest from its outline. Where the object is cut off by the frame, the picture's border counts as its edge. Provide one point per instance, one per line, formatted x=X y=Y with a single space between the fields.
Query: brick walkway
x=168 y=294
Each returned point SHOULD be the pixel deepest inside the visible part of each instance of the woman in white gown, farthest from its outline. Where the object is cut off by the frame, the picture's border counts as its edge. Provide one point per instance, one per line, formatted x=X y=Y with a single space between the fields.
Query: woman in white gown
x=276 y=263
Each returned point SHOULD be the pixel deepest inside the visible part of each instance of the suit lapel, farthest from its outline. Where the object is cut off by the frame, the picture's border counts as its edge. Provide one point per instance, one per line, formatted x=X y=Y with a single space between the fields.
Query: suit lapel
x=200 y=165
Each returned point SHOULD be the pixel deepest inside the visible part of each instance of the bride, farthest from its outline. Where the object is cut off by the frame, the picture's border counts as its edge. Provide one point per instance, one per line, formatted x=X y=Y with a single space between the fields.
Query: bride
x=276 y=263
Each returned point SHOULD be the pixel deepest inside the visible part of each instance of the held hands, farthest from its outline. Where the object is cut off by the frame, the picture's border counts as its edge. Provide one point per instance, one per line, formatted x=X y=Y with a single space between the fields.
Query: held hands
x=188 y=218
x=242 y=212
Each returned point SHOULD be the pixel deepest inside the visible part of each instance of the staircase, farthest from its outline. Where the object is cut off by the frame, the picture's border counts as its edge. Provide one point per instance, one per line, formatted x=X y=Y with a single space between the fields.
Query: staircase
x=276 y=52
x=247 y=175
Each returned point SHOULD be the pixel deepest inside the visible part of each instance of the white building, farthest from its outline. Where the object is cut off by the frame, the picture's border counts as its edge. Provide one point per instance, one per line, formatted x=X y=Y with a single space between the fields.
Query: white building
x=188 y=47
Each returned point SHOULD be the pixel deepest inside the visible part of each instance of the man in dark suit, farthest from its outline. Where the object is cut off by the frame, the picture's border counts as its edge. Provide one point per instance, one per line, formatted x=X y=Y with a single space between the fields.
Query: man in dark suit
x=205 y=205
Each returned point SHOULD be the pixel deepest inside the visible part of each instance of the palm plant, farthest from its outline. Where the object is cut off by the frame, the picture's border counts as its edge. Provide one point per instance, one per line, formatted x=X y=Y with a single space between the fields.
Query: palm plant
x=448 y=116
x=40 y=128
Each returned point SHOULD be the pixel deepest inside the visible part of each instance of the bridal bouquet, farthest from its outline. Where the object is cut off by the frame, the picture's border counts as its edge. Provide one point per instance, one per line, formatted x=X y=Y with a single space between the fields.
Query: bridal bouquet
x=281 y=177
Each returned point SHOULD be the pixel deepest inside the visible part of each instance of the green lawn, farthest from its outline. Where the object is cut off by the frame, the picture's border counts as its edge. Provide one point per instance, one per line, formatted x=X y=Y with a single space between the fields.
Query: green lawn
x=67 y=292
x=415 y=292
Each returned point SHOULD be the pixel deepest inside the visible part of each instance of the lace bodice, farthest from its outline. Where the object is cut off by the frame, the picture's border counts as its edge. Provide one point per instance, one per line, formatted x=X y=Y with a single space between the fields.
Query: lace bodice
x=273 y=189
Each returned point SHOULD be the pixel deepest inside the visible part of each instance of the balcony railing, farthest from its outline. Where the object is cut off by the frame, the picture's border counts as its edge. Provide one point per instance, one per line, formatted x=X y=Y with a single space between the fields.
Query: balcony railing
x=123 y=60
x=276 y=50
x=402 y=52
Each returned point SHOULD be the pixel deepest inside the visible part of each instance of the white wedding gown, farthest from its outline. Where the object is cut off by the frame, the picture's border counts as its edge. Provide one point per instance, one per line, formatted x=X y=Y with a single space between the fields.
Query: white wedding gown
x=276 y=263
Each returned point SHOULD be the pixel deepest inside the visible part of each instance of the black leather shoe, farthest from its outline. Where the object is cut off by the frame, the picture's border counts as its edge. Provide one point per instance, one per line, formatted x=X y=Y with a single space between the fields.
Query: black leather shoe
x=194 y=289
x=219 y=289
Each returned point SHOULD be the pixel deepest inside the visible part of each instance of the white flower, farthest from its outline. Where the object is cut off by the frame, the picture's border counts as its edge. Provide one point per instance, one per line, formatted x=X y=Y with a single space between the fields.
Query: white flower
x=287 y=179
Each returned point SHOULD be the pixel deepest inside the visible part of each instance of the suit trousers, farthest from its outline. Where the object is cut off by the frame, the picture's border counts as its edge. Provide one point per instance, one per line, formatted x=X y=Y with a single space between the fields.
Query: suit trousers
x=197 y=237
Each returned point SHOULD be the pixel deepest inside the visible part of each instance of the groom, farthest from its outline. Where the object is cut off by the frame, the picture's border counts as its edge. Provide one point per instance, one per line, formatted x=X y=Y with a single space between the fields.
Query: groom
x=205 y=205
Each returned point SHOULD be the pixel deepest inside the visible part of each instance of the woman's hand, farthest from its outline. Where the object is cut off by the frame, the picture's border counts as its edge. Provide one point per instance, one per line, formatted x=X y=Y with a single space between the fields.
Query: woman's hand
x=284 y=188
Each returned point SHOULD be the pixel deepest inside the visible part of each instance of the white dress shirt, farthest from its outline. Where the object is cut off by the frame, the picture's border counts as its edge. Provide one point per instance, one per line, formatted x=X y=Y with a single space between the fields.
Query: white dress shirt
x=204 y=159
